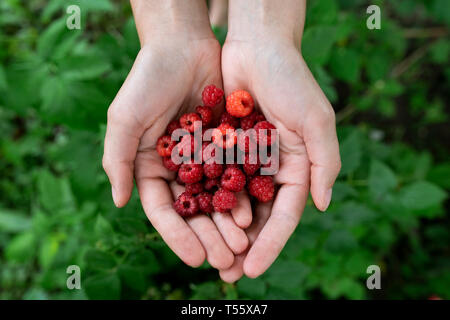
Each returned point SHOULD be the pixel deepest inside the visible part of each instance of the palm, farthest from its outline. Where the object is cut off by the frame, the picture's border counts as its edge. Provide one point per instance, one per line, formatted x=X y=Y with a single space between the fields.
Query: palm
x=289 y=97
x=163 y=84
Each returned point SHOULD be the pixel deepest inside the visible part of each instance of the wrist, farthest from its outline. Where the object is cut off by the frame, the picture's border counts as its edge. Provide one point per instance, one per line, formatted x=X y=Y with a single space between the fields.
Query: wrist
x=169 y=20
x=266 y=21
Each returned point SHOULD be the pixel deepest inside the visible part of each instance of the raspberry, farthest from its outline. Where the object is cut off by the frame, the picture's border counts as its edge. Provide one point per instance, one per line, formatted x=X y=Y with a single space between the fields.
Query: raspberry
x=190 y=172
x=169 y=164
x=262 y=188
x=212 y=170
x=251 y=164
x=211 y=95
x=178 y=180
x=233 y=179
x=250 y=120
x=240 y=103
x=224 y=201
x=246 y=141
x=228 y=118
x=206 y=115
x=232 y=165
x=224 y=136
x=164 y=146
x=208 y=152
x=187 y=142
x=172 y=126
x=211 y=184
x=259 y=117
x=186 y=205
x=263 y=133
x=194 y=188
x=204 y=200
x=187 y=121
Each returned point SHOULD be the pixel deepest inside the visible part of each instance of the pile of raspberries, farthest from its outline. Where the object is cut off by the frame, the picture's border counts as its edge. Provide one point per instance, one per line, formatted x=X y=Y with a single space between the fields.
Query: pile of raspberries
x=211 y=186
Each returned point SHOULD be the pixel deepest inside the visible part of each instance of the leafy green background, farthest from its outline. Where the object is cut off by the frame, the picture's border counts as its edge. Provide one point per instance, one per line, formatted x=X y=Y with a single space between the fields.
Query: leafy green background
x=389 y=88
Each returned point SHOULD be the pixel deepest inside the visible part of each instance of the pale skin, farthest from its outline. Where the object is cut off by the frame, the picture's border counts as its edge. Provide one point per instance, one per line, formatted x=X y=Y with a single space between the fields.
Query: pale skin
x=180 y=56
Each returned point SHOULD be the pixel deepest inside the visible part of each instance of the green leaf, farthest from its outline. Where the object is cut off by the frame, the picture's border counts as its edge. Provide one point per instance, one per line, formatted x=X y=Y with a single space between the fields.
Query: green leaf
x=133 y=277
x=351 y=152
x=131 y=226
x=48 y=250
x=206 y=290
x=103 y=287
x=21 y=248
x=381 y=179
x=84 y=67
x=13 y=221
x=316 y=44
x=440 y=175
x=103 y=227
x=287 y=274
x=345 y=64
x=54 y=193
x=252 y=288
x=3 y=81
x=322 y=11
x=99 y=260
x=422 y=195
x=49 y=39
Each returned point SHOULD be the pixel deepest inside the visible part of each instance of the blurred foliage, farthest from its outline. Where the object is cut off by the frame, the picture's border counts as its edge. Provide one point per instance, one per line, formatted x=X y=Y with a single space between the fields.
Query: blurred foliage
x=389 y=88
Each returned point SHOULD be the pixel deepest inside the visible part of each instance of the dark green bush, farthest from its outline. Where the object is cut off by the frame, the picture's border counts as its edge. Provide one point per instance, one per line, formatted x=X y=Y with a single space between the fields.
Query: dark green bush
x=389 y=88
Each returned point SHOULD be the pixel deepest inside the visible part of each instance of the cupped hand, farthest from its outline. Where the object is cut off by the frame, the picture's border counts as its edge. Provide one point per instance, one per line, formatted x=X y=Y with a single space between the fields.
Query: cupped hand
x=276 y=75
x=166 y=81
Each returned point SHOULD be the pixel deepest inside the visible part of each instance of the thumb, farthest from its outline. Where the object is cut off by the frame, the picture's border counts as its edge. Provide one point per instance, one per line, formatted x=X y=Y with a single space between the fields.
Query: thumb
x=121 y=142
x=323 y=151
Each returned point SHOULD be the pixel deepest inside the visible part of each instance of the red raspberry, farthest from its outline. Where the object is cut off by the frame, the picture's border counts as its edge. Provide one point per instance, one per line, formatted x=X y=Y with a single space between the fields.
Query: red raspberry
x=268 y=163
x=228 y=118
x=211 y=184
x=169 y=164
x=246 y=141
x=187 y=142
x=172 y=126
x=194 y=188
x=233 y=179
x=208 y=152
x=250 y=120
x=204 y=200
x=206 y=115
x=187 y=121
x=232 y=165
x=178 y=180
x=211 y=95
x=262 y=188
x=190 y=172
x=212 y=170
x=224 y=136
x=251 y=164
x=224 y=201
x=263 y=133
x=259 y=117
x=186 y=205
x=164 y=146
x=240 y=103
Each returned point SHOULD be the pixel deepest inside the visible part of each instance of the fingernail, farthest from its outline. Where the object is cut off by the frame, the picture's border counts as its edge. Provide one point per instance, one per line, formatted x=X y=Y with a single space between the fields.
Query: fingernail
x=328 y=194
x=114 y=195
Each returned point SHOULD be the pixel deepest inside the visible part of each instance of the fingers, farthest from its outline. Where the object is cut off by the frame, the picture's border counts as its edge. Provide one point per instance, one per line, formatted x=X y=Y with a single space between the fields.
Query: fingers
x=242 y=213
x=121 y=143
x=218 y=254
x=286 y=212
x=235 y=237
x=156 y=199
x=235 y=272
x=323 y=151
